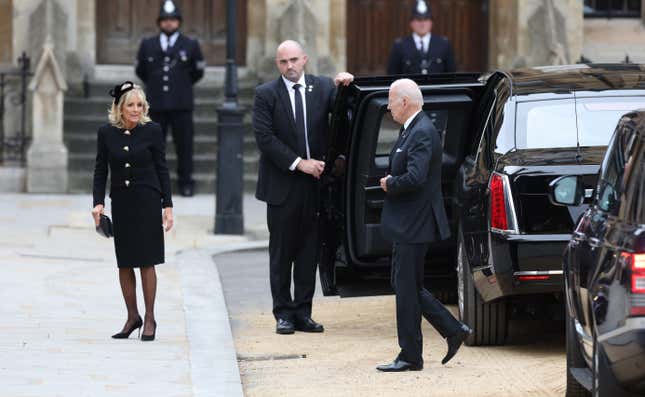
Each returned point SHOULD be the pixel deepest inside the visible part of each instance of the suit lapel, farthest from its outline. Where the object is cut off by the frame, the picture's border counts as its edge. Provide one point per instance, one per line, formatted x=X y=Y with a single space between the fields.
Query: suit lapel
x=310 y=104
x=286 y=102
x=408 y=130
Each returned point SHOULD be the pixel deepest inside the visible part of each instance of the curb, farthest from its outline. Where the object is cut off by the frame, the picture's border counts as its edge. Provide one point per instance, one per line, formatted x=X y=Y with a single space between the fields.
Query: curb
x=213 y=360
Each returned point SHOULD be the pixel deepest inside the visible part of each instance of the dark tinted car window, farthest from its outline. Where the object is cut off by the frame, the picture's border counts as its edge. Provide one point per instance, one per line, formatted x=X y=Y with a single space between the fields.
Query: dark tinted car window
x=633 y=206
x=611 y=175
x=554 y=123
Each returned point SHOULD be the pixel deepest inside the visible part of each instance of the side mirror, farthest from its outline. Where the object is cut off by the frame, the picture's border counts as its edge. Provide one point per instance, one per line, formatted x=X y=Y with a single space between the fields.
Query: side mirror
x=566 y=190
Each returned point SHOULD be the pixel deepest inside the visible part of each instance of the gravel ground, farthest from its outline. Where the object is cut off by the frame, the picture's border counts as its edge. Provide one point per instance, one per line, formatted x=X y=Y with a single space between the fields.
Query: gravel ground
x=361 y=333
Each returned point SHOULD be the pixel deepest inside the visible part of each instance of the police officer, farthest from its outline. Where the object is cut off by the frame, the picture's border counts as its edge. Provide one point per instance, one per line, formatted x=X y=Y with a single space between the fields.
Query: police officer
x=421 y=52
x=169 y=65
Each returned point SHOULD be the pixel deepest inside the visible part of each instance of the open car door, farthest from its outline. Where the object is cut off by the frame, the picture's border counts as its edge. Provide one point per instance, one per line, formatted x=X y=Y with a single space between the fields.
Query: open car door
x=363 y=133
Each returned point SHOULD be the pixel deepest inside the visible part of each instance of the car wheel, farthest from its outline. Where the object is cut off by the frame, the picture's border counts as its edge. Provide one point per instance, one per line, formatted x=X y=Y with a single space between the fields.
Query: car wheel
x=489 y=321
x=574 y=360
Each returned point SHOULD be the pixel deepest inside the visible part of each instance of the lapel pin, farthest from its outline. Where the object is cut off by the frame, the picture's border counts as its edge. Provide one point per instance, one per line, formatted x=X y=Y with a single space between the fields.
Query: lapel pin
x=310 y=88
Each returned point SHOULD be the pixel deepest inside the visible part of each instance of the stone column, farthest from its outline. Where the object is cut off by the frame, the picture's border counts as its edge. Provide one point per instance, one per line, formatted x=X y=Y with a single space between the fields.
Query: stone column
x=534 y=32
x=306 y=21
x=47 y=155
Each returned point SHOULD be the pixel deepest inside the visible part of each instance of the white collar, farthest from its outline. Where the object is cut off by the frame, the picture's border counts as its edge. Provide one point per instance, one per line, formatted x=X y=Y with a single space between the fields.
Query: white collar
x=408 y=121
x=425 y=39
x=170 y=40
x=290 y=83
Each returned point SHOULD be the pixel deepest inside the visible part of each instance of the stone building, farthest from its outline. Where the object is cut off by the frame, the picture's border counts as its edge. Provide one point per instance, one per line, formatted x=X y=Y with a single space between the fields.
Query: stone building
x=92 y=44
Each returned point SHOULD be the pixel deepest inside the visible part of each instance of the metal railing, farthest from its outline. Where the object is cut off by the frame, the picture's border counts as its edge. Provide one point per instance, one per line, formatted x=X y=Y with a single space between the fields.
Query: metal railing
x=13 y=148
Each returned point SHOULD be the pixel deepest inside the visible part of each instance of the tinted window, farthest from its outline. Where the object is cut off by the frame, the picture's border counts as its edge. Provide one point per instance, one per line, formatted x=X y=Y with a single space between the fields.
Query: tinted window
x=558 y=123
x=611 y=175
x=633 y=205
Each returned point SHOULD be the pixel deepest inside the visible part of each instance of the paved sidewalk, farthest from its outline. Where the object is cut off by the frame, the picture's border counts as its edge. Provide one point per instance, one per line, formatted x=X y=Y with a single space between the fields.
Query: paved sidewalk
x=60 y=301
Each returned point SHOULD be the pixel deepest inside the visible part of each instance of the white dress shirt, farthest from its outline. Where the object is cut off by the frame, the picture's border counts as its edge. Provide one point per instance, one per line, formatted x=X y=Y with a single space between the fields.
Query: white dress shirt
x=422 y=43
x=292 y=98
x=408 y=121
x=165 y=40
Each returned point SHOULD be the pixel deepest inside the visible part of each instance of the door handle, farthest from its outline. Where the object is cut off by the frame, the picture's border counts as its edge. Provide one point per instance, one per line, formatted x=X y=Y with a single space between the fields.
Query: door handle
x=594 y=242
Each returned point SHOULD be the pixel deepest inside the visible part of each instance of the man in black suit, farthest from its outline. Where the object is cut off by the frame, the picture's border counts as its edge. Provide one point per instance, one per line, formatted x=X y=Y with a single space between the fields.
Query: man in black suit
x=421 y=52
x=290 y=121
x=413 y=216
x=169 y=64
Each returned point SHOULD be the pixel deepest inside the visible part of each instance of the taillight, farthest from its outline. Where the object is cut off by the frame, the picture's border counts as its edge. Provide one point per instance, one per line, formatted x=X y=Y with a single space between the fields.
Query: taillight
x=498 y=218
x=501 y=207
x=636 y=263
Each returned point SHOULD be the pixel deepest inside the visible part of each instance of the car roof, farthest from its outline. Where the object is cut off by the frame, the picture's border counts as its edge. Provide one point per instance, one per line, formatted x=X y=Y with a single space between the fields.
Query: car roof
x=578 y=77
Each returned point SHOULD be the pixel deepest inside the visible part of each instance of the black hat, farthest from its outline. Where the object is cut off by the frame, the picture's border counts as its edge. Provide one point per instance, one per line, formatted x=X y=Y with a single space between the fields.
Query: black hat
x=169 y=10
x=120 y=89
x=421 y=10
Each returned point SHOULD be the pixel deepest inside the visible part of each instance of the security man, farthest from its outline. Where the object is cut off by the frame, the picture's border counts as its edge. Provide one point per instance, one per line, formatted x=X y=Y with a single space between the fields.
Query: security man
x=169 y=64
x=421 y=52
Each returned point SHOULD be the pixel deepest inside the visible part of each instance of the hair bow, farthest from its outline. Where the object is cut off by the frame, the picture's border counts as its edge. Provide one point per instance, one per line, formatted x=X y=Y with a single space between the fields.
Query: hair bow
x=120 y=89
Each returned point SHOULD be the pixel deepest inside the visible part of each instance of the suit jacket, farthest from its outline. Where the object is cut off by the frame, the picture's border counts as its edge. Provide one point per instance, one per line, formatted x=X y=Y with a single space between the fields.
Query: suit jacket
x=169 y=76
x=405 y=58
x=413 y=210
x=134 y=160
x=275 y=133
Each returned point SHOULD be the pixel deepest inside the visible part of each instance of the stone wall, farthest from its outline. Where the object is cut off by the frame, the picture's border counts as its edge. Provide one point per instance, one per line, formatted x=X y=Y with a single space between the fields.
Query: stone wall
x=318 y=24
x=534 y=32
x=610 y=40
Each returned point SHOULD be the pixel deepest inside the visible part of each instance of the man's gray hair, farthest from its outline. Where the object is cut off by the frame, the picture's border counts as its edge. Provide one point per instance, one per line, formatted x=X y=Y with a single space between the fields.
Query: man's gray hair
x=406 y=88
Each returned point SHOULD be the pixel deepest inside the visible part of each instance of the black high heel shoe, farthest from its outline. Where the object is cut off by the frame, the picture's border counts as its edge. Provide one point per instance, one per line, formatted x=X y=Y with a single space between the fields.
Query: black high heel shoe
x=148 y=338
x=126 y=334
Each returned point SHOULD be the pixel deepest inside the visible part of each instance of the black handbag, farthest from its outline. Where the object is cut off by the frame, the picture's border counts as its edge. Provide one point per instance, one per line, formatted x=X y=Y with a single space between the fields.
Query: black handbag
x=105 y=227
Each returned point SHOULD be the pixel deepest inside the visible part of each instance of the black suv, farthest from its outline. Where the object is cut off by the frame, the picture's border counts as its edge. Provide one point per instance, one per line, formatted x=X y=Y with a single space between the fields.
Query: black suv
x=505 y=138
x=604 y=270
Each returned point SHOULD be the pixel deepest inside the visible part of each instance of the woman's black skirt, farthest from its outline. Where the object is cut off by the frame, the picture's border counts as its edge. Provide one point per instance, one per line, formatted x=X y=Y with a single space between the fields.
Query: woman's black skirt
x=138 y=230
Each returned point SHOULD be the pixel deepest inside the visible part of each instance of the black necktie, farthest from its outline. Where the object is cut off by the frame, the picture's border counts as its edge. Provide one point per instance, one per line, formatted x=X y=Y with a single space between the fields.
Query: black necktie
x=300 y=123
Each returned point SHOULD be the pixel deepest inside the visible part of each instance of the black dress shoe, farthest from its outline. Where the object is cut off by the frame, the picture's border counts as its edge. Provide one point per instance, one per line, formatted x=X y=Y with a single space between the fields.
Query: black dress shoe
x=399 y=366
x=308 y=325
x=284 y=327
x=455 y=341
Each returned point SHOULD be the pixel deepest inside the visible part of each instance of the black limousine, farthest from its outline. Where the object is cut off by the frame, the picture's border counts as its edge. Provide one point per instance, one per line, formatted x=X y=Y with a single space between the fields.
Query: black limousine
x=505 y=138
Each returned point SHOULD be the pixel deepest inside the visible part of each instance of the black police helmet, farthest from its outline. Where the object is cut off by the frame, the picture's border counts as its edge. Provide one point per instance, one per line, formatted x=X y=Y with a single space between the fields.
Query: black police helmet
x=421 y=10
x=168 y=11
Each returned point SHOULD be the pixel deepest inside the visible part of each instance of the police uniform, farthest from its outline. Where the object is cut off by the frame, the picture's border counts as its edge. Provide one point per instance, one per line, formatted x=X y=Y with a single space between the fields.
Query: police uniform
x=407 y=58
x=169 y=74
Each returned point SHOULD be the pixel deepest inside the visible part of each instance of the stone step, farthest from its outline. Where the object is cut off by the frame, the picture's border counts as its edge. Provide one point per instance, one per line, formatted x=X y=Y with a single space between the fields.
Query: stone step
x=202 y=163
x=81 y=182
x=80 y=143
x=204 y=107
x=246 y=88
x=91 y=123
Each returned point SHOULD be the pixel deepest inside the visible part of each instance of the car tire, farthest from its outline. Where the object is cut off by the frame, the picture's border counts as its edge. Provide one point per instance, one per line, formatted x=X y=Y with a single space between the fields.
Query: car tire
x=489 y=321
x=574 y=360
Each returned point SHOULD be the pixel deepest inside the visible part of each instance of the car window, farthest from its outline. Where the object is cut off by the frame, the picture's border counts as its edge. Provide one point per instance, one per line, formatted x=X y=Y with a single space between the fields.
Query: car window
x=611 y=176
x=558 y=123
x=633 y=207
x=389 y=129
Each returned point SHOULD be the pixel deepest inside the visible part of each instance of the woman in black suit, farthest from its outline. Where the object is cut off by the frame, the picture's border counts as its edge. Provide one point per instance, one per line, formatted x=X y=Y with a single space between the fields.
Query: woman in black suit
x=134 y=149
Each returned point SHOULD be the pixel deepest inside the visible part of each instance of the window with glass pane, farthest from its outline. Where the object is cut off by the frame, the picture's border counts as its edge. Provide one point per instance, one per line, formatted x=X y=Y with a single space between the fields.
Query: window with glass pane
x=612 y=8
